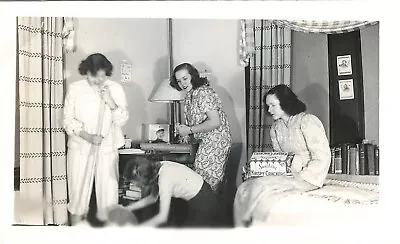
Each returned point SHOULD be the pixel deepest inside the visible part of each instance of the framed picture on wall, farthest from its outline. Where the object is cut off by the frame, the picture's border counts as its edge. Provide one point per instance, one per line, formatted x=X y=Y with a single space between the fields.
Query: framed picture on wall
x=156 y=133
x=344 y=65
x=346 y=89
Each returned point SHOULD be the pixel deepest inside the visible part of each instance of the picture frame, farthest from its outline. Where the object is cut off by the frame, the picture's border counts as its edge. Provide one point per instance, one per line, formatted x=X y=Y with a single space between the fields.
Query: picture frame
x=346 y=89
x=156 y=133
x=344 y=65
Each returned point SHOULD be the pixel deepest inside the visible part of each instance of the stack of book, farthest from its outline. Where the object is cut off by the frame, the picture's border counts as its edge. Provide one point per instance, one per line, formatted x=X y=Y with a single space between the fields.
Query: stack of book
x=132 y=192
x=355 y=159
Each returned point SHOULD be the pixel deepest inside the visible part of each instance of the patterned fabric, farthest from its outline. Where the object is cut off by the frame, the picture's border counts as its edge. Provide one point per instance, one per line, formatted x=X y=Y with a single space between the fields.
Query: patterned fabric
x=42 y=140
x=215 y=145
x=270 y=64
x=305 y=137
x=364 y=186
x=327 y=27
x=69 y=35
x=276 y=200
x=345 y=192
x=247 y=38
x=246 y=42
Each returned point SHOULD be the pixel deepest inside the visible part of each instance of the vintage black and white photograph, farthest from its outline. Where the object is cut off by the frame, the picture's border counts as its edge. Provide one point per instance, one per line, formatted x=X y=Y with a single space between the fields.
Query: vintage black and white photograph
x=156 y=133
x=346 y=89
x=76 y=107
x=344 y=65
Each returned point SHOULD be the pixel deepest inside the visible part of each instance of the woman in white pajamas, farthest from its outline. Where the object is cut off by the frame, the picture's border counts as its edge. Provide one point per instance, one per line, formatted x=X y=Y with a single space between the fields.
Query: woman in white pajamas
x=90 y=103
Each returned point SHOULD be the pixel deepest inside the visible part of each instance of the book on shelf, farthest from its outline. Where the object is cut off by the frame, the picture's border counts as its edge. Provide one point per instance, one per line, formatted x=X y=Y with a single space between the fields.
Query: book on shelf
x=362 y=162
x=355 y=159
x=370 y=158
x=377 y=160
x=332 y=166
x=345 y=158
x=338 y=160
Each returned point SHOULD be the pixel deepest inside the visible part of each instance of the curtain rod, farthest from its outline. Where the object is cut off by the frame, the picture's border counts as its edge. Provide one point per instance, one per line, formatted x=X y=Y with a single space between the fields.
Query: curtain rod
x=170 y=47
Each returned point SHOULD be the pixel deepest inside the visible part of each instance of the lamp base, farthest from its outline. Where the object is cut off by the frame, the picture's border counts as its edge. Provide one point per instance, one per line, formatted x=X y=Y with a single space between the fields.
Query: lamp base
x=174 y=119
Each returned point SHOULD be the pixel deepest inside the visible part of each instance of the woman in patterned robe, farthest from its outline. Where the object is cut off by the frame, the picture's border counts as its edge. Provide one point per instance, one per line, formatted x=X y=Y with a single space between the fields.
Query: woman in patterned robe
x=294 y=131
x=206 y=121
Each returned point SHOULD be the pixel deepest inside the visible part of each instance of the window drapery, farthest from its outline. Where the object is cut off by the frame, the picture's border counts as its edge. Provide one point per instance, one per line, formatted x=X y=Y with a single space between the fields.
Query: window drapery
x=42 y=147
x=269 y=65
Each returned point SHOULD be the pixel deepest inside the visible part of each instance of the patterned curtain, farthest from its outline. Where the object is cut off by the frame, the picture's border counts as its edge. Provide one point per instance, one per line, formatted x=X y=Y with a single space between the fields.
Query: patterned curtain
x=247 y=41
x=327 y=27
x=43 y=185
x=269 y=65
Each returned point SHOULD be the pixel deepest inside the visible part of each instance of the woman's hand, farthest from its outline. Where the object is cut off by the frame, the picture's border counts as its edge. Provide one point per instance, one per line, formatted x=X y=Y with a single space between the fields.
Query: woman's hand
x=105 y=94
x=91 y=138
x=183 y=130
x=184 y=139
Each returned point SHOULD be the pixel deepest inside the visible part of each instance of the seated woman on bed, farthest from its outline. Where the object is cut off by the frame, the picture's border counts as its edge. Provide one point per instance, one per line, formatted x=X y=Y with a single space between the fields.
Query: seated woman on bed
x=165 y=180
x=294 y=131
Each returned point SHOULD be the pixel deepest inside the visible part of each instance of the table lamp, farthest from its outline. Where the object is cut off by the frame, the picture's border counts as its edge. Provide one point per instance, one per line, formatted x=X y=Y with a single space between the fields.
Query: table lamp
x=164 y=93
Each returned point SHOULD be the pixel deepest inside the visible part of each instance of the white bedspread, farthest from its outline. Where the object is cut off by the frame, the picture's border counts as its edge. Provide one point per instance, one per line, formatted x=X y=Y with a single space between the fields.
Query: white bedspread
x=337 y=202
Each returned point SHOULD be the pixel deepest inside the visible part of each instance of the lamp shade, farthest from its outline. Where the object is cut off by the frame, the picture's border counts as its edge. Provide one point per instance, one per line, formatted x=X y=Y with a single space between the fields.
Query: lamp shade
x=164 y=93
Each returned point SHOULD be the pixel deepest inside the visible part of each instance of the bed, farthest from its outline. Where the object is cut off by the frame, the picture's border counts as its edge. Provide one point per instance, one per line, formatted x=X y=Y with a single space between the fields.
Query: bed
x=343 y=199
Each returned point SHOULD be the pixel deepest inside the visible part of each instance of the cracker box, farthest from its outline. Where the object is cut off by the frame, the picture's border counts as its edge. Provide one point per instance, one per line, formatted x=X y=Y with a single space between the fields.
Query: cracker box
x=268 y=163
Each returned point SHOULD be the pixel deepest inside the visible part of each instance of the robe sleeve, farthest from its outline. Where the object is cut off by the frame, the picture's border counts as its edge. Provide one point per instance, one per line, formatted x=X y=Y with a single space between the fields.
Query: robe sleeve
x=71 y=125
x=120 y=115
x=317 y=167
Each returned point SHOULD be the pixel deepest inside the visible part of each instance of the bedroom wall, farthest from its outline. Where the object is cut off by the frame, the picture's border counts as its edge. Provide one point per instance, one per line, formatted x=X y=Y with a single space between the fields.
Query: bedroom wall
x=310 y=73
x=370 y=59
x=212 y=45
x=311 y=79
x=143 y=43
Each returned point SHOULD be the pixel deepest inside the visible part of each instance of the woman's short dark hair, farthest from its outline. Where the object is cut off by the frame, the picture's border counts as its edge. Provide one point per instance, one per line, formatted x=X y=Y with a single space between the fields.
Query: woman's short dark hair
x=196 y=81
x=289 y=102
x=144 y=170
x=95 y=62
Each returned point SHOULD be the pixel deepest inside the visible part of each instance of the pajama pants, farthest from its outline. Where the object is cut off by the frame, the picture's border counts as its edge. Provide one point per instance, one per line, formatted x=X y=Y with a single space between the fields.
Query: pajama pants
x=80 y=182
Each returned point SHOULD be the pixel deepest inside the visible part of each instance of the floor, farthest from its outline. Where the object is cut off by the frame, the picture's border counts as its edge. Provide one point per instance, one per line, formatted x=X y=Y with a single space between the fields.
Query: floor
x=22 y=211
x=18 y=211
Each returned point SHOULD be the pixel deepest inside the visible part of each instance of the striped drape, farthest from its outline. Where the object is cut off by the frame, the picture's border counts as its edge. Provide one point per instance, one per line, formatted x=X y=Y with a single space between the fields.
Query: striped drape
x=270 y=63
x=43 y=185
x=247 y=42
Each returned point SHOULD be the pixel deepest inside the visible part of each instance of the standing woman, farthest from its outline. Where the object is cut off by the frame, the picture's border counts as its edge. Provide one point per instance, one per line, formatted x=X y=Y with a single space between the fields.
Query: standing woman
x=206 y=120
x=95 y=109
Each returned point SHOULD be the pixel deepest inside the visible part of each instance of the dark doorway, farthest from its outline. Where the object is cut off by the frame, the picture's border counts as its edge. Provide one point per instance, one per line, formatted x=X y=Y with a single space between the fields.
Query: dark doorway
x=346 y=94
